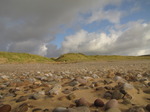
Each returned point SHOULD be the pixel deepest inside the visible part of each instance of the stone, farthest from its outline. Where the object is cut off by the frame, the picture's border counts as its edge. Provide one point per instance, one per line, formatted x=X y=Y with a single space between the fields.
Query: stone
x=148 y=107
x=55 y=90
x=126 y=101
x=98 y=103
x=107 y=95
x=5 y=108
x=79 y=109
x=113 y=103
x=22 y=98
x=136 y=109
x=81 y=81
x=117 y=95
x=22 y=108
x=60 y=109
x=37 y=110
x=128 y=86
x=147 y=91
x=71 y=96
x=35 y=96
x=119 y=79
x=73 y=83
x=82 y=102
x=113 y=110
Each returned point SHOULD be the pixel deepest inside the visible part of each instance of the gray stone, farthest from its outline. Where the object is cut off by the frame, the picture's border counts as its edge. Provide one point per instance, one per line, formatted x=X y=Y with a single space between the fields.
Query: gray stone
x=60 y=109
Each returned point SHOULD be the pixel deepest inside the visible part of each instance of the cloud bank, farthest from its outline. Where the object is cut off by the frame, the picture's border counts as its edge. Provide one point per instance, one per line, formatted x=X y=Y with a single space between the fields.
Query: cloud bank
x=31 y=26
x=135 y=40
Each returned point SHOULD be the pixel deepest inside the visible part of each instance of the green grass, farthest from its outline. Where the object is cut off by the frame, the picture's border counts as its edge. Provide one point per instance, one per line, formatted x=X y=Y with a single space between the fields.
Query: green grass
x=78 y=57
x=9 y=57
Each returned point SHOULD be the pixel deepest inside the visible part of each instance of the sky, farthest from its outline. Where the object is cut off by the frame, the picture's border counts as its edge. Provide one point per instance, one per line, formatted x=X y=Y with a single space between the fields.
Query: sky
x=93 y=27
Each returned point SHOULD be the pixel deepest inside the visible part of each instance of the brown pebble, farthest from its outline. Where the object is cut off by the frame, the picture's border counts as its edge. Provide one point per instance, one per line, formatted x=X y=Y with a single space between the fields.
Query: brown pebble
x=148 y=107
x=5 y=108
x=98 y=103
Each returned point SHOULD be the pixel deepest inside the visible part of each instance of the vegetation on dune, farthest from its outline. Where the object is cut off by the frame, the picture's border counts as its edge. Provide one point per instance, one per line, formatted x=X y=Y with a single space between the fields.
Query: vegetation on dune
x=78 y=57
x=9 y=57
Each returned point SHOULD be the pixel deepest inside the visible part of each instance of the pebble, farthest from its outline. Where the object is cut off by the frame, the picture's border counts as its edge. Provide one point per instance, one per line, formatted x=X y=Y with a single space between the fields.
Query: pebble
x=35 y=96
x=82 y=102
x=71 y=96
x=22 y=108
x=108 y=95
x=113 y=110
x=128 y=86
x=60 y=109
x=22 y=98
x=136 y=109
x=55 y=90
x=5 y=108
x=117 y=95
x=98 y=103
x=113 y=103
x=79 y=109
x=148 y=107
x=37 y=110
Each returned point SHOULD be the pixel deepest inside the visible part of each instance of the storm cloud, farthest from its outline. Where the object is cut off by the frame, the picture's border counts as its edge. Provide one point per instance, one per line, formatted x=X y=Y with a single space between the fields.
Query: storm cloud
x=31 y=26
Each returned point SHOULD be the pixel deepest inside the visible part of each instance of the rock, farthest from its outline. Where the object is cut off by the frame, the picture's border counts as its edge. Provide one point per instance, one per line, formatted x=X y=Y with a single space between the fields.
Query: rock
x=55 y=90
x=66 y=91
x=147 y=91
x=35 y=96
x=82 y=102
x=60 y=109
x=22 y=98
x=113 y=110
x=81 y=81
x=113 y=103
x=119 y=79
x=37 y=110
x=73 y=83
x=148 y=107
x=128 y=86
x=117 y=95
x=126 y=101
x=22 y=108
x=46 y=110
x=107 y=81
x=136 y=109
x=5 y=108
x=108 y=95
x=71 y=96
x=79 y=109
x=98 y=103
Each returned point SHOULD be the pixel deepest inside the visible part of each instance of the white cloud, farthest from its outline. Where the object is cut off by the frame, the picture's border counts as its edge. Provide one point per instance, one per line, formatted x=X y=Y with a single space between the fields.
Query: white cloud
x=132 y=41
x=112 y=16
x=26 y=25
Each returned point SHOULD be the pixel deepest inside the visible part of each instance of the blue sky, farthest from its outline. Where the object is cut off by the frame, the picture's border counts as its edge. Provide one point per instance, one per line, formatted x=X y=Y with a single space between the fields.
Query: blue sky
x=54 y=27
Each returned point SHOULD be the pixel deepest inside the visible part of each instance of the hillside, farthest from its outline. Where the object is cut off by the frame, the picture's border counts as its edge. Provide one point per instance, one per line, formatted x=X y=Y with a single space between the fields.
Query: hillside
x=9 y=57
x=77 y=57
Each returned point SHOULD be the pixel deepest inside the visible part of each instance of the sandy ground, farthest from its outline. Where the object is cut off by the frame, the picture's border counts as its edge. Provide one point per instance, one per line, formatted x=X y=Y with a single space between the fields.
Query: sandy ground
x=29 y=79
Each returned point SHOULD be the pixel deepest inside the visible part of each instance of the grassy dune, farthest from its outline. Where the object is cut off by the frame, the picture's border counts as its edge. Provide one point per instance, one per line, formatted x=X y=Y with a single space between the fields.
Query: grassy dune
x=77 y=57
x=9 y=57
